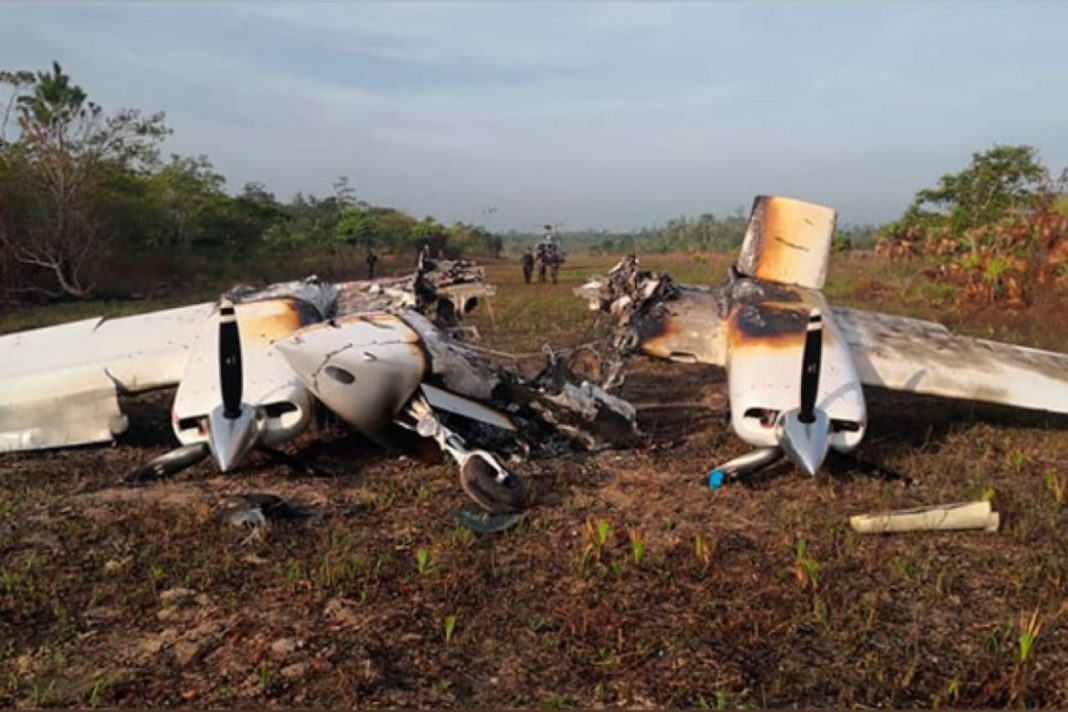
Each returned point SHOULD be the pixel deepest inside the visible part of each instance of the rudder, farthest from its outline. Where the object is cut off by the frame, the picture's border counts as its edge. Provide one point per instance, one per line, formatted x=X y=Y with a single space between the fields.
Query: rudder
x=788 y=241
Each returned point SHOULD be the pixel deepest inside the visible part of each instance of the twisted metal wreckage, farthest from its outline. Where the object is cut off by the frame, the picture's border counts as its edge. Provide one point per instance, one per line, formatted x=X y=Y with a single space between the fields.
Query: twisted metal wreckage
x=388 y=358
x=385 y=356
x=796 y=366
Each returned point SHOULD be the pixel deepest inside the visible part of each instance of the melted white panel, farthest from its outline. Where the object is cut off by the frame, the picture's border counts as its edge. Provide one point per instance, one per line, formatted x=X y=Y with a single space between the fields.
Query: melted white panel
x=364 y=367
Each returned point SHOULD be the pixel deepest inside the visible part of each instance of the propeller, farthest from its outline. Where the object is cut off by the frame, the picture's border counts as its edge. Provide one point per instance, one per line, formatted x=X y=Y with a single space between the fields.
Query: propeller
x=230 y=376
x=233 y=427
x=804 y=432
x=810 y=367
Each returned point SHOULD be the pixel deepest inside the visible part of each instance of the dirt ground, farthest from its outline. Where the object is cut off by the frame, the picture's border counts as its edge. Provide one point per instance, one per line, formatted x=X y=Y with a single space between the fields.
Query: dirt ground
x=630 y=582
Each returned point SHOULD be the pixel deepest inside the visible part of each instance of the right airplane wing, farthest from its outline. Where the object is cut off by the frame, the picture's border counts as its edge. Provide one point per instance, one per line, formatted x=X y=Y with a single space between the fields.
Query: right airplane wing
x=907 y=354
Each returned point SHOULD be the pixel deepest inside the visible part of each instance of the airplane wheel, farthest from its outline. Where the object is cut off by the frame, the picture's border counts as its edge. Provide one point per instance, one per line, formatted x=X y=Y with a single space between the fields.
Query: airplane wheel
x=479 y=480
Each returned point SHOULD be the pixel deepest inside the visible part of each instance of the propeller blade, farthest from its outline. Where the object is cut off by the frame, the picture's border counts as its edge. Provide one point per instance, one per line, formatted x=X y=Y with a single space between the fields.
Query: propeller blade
x=230 y=377
x=810 y=367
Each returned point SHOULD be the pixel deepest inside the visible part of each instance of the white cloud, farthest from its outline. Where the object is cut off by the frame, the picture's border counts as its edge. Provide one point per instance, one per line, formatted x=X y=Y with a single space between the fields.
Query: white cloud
x=600 y=115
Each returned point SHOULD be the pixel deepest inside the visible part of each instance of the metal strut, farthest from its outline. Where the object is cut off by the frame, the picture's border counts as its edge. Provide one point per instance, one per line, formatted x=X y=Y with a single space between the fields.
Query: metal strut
x=744 y=465
x=482 y=476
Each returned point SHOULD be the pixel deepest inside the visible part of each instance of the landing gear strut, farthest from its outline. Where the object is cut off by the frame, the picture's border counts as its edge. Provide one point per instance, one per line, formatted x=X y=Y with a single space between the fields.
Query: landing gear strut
x=743 y=465
x=482 y=476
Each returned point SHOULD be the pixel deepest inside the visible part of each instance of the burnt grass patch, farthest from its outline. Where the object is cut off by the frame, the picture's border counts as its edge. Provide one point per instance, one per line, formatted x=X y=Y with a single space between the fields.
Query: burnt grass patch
x=629 y=582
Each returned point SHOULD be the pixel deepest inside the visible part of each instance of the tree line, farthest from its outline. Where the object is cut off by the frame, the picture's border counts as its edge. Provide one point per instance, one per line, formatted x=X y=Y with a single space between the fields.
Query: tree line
x=706 y=233
x=85 y=195
x=88 y=204
x=997 y=228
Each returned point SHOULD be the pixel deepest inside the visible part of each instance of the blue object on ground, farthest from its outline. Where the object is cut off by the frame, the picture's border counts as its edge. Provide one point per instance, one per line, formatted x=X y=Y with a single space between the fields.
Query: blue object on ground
x=715 y=479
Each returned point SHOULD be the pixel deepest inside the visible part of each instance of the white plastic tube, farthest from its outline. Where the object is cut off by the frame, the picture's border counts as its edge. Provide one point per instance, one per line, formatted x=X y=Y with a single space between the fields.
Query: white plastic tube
x=959 y=515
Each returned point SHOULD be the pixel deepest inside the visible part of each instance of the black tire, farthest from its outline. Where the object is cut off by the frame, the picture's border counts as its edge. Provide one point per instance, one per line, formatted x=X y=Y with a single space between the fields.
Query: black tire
x=479 y=480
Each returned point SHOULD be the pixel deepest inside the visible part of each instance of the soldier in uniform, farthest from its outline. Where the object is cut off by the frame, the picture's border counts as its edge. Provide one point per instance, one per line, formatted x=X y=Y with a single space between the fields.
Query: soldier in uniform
x=371 y=260
x=550 y=237
x=549 y=254
x=528 y=264
x=554 y=262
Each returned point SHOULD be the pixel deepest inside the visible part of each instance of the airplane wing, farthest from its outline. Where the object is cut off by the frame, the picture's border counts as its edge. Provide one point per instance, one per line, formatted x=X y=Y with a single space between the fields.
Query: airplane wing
x=59 y=385
x=924 y=357
x=687 y=328
x=658 y=316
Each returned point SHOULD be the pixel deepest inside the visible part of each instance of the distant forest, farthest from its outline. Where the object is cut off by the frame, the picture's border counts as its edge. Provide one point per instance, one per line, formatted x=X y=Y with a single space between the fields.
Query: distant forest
x=89 y=207
x=708 y=233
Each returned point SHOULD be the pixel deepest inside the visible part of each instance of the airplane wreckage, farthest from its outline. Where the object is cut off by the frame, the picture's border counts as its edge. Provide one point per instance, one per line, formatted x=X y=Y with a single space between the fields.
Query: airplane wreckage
x=388 y=358
x=796 y=366
x=385 y=356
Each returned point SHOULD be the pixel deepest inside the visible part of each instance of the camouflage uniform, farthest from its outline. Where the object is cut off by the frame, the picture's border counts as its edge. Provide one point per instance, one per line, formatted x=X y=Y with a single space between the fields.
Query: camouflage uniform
x=371 y=260
x=549 y=254
x=528 y=264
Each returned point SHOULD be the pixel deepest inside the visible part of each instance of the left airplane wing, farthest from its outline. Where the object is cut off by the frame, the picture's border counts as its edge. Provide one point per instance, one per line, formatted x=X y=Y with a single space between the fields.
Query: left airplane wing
x=908 y=354
x=687 y=329
x=659 y=317
x=60 y=385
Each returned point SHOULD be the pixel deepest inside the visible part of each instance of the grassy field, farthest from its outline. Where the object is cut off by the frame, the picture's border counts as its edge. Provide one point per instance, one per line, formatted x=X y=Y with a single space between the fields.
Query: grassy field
x=629 y=583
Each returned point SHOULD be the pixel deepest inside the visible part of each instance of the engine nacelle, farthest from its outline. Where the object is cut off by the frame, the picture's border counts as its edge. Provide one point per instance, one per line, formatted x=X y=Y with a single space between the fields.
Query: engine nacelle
x=766 y=331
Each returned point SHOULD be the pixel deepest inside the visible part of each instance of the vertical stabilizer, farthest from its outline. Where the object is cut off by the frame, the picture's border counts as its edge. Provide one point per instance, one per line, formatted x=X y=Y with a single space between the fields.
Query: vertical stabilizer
x=788 y=241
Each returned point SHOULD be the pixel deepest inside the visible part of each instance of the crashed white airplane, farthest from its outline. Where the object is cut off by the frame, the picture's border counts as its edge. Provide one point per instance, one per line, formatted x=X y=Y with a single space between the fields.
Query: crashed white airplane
x=795 y=365
x=249 y=369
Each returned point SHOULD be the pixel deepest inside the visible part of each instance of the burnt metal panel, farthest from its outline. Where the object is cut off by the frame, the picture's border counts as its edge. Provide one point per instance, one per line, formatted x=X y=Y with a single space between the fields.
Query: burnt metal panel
x=688 y=328
x=788 y=241
x=908 y=354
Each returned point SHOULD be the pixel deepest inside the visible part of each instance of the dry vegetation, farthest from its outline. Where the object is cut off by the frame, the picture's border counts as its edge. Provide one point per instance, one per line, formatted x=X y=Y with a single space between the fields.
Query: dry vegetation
x=630 y=582
x=1015 y=262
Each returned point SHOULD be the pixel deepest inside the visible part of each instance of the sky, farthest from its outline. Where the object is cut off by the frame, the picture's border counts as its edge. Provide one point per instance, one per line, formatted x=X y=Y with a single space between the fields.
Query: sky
x=590 y=115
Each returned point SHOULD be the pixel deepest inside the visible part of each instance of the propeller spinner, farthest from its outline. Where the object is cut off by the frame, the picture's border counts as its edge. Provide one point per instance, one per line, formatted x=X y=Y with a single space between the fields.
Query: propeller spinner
x=804 y=433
